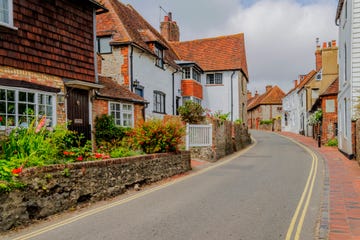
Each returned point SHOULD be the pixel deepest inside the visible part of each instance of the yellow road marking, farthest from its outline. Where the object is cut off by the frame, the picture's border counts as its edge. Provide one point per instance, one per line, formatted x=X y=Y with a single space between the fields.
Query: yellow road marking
x=307 y=193
x=128 y=199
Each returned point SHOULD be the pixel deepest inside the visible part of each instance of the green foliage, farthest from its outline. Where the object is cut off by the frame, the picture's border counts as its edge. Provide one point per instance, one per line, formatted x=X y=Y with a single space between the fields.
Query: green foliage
x=221 y=116
x=332 y=142
x=192 y=112
x=156 y=136
x=266 y=122
x=238 y=121
x=316 y=117
x=107 y=132
x=123 y=152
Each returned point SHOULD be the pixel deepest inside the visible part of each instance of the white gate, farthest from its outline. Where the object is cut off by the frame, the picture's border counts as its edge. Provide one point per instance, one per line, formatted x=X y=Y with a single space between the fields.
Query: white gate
x=198 y=135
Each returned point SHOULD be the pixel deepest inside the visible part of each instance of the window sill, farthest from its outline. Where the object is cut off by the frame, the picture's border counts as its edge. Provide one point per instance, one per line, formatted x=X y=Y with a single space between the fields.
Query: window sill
x=164 y=113
x=214 y=85
x=7 y=28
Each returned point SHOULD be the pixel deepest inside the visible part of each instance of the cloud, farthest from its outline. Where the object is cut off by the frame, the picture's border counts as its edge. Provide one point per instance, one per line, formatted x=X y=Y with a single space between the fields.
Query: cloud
x=280 y=35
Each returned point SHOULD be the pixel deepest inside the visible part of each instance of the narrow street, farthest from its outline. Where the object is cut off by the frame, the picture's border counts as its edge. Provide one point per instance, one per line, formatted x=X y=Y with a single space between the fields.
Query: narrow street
x=254 y=195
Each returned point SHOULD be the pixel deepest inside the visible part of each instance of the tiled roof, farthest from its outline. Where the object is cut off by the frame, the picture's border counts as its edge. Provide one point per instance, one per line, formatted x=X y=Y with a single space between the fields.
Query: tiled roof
x=333 y=89
x=308 y=77
x=215 y=54
x=127 y=26
x=273 y=96
x=115 y=91
x=338 y=10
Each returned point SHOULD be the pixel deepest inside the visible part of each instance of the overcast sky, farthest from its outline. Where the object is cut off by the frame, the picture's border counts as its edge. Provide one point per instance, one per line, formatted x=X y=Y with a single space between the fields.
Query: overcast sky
x=280 y=35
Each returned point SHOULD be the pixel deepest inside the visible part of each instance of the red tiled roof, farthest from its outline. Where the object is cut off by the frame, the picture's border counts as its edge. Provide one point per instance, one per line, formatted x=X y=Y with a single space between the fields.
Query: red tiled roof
x=115 y=91
x=308 y=77
x=333 y=88
x=127 y=26
x=273 y=96
x=215 y=54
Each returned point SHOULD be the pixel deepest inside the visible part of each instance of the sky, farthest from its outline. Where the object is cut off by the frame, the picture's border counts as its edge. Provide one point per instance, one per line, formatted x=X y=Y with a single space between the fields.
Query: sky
x=280 y=35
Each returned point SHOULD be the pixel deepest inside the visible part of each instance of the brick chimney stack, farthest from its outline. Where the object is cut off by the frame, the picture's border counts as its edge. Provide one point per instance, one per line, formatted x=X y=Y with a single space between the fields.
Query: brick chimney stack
x=295 y=83
x=249 y=95
x=318 y=57
x=169 y=29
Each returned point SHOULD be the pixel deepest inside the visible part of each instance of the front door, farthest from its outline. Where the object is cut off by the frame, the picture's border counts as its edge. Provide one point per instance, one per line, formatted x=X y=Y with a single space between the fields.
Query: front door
x=78 y=111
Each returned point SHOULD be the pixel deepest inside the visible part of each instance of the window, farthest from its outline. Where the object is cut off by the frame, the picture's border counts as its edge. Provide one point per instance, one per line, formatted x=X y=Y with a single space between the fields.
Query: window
x=214 y=78
x=139 y=90
x=314 y=93
x=194 y=99
x=330 y=106
x=6 y=12
x=103 y=44
x=186 y=74
x=18 y=108
x=160 y=57
x=122 y=113
x=196 y=75
x=159 y=102
x=319 y=76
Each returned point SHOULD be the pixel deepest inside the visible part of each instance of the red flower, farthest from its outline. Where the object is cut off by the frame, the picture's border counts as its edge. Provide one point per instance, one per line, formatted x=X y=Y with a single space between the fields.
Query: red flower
x=106 y=156
x=66 y=153
x=1 y=119
x=98 y=155
x=17 y=170
x=80 y=158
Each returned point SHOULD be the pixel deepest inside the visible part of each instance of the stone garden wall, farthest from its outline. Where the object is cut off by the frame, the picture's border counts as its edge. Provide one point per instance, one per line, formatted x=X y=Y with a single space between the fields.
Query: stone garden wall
x=55 y=188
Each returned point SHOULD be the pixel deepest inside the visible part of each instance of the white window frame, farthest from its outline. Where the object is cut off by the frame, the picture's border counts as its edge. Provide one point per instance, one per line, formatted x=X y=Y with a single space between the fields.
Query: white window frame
x=191 y=98
x=105 y=40
x=214 y=80
x=10 y=20
x=48 y=106
x=120 y=121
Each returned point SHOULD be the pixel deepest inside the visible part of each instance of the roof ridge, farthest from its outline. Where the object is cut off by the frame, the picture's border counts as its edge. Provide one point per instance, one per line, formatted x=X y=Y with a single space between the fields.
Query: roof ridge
x=210 y=38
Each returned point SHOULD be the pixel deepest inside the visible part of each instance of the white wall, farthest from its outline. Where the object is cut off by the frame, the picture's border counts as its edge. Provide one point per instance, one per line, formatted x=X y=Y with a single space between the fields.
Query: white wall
x=218 y=97
x=291 y=105
x=347 y=92
x=154 y=78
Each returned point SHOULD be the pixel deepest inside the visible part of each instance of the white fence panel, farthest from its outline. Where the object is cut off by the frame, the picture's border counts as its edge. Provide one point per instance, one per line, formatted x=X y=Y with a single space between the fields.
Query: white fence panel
x=198 y=135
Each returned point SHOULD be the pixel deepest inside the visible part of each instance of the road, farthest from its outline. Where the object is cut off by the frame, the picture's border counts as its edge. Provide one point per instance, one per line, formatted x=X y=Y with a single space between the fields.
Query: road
x=254 y=195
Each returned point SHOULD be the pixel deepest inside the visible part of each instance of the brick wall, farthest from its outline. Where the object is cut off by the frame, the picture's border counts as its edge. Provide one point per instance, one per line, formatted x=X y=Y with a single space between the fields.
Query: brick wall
x=328 y=120
x=53 y=37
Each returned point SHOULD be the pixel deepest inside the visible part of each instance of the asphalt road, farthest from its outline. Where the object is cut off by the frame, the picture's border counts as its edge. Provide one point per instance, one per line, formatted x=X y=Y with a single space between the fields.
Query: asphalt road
x=251 y=196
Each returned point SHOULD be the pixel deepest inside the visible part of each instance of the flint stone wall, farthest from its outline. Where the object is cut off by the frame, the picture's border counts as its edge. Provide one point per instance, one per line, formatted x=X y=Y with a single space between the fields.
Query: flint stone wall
x=55 y=188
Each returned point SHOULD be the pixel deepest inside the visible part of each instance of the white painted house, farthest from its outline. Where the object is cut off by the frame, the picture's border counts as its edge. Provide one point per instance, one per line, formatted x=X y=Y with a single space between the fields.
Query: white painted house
x=137 y=56
x=348 y=20
x=290 y=121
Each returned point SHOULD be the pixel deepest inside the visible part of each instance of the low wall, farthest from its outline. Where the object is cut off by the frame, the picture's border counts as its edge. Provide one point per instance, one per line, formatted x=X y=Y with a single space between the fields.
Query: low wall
x=227 y=139
x=55 y=188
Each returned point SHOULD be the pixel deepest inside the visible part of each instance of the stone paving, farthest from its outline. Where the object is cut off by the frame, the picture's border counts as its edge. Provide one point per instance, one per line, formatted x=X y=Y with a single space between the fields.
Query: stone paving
x=340 y=219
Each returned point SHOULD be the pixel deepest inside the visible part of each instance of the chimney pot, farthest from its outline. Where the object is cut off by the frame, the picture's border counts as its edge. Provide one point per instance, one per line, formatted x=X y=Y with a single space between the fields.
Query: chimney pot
x=166 y=19
x=324 y=45
x=333 y=43
x=170 y=16
x=296 y=83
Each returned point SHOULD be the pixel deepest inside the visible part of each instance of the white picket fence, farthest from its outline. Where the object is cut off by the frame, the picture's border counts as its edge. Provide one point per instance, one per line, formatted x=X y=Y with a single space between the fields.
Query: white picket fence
x=198 y=135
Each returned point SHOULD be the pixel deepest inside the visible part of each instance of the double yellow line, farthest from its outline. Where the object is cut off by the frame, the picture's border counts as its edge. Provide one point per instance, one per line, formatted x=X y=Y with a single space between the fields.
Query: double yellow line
x=304 y=202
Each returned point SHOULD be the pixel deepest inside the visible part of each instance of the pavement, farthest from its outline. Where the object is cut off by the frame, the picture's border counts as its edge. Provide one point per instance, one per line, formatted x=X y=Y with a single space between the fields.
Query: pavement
x=340 y=217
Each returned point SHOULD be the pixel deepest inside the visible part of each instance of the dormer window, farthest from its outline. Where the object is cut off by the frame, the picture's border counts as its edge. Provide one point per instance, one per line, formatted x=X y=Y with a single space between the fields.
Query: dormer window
x=6 y=13
x=191 y=73
x=103 y=44
x=159 y=52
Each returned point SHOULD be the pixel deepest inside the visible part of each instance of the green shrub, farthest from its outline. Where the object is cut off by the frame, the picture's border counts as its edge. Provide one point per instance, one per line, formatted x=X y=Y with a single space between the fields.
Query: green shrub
x=123 y=152
x=192 y=112
x=238 y=121
x=221 y=116
x=266 y=122
x=107 y=133
x=157 y=136
x=332 y=142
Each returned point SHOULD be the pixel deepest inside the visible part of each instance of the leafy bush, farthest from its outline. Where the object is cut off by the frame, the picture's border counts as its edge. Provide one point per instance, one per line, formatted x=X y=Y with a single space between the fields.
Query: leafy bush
x=316 y=117
x=157 y=136
x=123 y=152
x=107 y=132
x=238 y=121
x=192 y=112
x=266 y=122
x=221 y=116
x=332 y=142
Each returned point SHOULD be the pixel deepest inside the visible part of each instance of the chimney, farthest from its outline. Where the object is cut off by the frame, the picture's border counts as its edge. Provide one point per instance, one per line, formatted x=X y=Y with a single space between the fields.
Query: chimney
x=268 y=88
x=256 y=94
x=318 y=57
x=333 y=43
x=295 y=83
x=169 y=29
x=249 y=95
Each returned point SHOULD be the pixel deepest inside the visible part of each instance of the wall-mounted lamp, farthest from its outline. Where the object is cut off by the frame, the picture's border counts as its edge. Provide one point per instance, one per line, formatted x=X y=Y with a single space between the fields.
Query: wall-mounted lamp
x=61 y=98
x=136 y=83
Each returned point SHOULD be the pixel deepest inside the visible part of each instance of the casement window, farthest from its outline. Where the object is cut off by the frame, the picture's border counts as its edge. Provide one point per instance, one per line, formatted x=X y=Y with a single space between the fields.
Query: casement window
x=186 y=73
x=103 y=44
x=123 y=114
x=214 y=78
x=6 y=12
x=196 y=75
x=194 y=99
x=159 y=102
x=159 y=52
x=314 y=93
x=18 y=108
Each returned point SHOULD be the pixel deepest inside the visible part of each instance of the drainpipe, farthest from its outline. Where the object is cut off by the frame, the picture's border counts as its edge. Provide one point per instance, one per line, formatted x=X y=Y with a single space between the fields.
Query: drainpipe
x=232 y=93
x=131 y=69
x=173 y=90
x=95 y=48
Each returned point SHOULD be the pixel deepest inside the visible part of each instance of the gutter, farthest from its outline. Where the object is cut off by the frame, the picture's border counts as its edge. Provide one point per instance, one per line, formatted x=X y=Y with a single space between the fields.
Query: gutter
x=173 y=90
